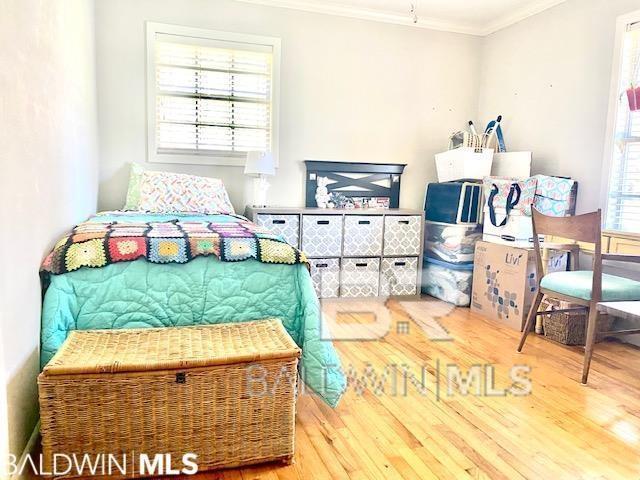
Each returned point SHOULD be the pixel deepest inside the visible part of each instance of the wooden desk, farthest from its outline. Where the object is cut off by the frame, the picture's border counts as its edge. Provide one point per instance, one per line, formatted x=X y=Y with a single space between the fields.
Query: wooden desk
x=626 y=310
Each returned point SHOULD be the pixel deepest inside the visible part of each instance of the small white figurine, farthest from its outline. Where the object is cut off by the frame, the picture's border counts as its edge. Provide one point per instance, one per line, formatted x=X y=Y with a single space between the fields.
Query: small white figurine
x=322 y=193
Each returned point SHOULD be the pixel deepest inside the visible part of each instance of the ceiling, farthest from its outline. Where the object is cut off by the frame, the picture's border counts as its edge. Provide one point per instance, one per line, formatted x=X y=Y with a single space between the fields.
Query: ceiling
x=475 y=17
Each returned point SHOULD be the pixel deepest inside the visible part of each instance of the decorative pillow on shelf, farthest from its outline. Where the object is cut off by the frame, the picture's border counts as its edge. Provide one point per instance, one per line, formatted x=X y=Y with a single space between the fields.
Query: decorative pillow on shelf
x=165 y=192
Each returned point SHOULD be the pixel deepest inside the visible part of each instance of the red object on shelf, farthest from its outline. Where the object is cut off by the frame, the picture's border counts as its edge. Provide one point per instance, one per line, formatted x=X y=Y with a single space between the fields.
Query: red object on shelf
x=631 y=97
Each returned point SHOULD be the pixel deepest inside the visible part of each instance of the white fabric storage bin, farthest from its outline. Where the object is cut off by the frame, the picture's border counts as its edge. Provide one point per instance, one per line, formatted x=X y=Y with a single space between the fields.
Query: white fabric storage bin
x=511 y=164
x=398 y=276
x=464 y=162
x=402 y=235
x=322 y=235
x=325 y=274
x=359 y=277
x=288 y=226
x=518 y=231
x=362 y=235
x=448 y=282
x=453 y=243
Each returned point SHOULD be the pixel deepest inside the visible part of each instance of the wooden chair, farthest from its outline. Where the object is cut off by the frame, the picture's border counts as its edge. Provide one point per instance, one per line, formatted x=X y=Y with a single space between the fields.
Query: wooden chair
x=587 y=288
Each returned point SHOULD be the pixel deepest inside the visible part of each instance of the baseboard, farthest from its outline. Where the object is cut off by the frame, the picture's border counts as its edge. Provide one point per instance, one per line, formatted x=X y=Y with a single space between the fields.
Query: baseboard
x=29 y=448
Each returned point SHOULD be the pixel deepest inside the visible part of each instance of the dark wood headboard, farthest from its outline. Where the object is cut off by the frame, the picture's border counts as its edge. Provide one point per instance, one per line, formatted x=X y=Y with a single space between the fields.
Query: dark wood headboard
x=355 y=180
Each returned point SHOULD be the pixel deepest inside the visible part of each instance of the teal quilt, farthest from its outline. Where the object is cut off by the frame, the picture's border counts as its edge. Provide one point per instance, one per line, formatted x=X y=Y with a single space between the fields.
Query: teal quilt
x=203 y=290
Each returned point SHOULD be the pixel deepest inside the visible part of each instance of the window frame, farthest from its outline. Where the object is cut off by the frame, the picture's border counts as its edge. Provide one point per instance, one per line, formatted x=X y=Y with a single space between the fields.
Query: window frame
x=208 y=158
x=622 y=22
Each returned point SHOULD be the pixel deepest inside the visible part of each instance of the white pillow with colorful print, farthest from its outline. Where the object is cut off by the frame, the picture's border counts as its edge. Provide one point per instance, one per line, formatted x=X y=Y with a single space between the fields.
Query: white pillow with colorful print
x=165 y=192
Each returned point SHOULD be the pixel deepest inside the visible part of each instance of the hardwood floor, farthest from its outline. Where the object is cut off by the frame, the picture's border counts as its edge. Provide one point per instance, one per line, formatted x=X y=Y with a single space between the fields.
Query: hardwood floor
x=562 y=430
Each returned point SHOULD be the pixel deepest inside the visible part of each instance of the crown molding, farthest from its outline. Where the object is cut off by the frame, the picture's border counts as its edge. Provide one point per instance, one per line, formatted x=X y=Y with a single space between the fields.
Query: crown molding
x=519 y=14
x=368 y=14
x=328 y=8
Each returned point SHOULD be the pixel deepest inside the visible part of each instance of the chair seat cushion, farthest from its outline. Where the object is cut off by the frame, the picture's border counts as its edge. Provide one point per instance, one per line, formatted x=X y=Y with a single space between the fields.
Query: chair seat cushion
x=578 y=284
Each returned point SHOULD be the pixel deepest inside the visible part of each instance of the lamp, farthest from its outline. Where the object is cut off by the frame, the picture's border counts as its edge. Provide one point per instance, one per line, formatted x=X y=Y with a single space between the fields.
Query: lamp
x=259 y=165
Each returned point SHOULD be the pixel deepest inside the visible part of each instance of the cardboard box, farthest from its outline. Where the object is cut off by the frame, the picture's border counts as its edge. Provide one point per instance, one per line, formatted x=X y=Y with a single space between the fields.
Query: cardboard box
x=504 y=281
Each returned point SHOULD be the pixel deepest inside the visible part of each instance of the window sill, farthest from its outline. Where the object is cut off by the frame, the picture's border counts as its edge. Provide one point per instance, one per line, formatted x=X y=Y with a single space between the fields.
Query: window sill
x=616 y=234
x=224 y=159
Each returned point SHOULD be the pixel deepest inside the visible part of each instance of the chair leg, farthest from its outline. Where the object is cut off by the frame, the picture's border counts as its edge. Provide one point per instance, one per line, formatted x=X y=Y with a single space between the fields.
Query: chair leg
x=531 y=318
x=590 y=340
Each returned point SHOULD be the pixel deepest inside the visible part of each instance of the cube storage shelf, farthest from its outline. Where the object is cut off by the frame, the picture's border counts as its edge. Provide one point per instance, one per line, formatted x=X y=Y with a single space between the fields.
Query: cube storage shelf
x=355 y=253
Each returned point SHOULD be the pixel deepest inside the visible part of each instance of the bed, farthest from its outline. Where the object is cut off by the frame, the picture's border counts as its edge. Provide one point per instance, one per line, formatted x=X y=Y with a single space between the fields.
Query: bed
x=131 y=270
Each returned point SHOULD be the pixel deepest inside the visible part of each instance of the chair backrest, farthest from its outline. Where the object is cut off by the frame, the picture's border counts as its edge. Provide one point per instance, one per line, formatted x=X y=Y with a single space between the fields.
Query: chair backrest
x=583 y=228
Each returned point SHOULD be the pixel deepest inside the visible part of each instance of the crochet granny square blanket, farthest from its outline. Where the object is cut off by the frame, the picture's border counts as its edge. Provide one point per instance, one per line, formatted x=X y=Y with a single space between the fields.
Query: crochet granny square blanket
x=118 y=237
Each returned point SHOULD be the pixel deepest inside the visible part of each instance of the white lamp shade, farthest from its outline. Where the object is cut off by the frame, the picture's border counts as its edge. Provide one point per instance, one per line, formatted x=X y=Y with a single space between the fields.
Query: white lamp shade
x=260 y=163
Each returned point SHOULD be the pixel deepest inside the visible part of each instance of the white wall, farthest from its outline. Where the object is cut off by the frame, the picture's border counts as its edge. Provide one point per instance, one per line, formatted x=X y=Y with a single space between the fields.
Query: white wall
x=549 y=76
x=4 y=416
x=49 y=172
x=350 y=90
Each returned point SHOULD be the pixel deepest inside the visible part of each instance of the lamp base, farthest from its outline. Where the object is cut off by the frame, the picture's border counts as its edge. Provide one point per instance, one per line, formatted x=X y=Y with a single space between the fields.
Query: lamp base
x=260 y=188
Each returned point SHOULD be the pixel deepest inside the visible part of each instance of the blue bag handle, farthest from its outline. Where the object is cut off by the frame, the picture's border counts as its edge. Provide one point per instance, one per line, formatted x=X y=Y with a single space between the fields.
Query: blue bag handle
x=511 y=203
x=500 y=137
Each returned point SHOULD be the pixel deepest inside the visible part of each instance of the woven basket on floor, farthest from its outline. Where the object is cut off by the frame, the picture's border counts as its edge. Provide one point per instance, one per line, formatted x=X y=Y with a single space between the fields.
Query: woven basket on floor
x=569 y=328
x=224 y=392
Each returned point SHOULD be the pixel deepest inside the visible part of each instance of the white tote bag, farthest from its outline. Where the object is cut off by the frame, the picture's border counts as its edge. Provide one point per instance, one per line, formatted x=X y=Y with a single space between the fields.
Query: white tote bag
x=464 y=162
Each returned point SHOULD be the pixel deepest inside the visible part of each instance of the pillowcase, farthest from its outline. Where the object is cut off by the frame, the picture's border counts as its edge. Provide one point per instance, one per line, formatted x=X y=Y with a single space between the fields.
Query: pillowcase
x=165 y=192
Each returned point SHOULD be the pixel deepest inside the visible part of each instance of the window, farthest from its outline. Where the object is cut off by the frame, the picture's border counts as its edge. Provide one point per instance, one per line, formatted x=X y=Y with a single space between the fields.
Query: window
x=623 y=152
x=212 y=96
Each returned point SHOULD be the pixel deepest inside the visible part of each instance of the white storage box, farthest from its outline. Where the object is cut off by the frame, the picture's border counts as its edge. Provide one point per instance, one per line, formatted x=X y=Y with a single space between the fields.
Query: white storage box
x=322 y=235
x=325 y=274
x=518 y=231
x=398 y=276
x=452 y=243
x=362 y=235
x=464 y=162
x=448 y=282
x=288 y=226
x=511 y=164
x=359 y=277
x=402 y=235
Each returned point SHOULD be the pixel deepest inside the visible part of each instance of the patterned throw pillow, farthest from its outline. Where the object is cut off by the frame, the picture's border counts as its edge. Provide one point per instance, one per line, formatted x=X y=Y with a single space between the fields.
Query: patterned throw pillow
x=164 y=192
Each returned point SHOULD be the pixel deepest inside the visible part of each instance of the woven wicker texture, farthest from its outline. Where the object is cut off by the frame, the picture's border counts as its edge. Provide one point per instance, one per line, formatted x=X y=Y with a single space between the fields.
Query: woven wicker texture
x=570 y=328
x=149 y=349
x=229 y=413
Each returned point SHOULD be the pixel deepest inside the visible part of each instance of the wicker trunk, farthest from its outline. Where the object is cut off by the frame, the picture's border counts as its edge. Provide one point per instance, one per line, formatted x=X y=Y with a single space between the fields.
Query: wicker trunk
x=225 y=393
x=569 y=328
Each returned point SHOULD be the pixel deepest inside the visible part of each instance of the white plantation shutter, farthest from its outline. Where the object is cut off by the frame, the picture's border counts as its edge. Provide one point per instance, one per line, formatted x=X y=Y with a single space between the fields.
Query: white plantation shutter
x=623 y=208
x=211 y=96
